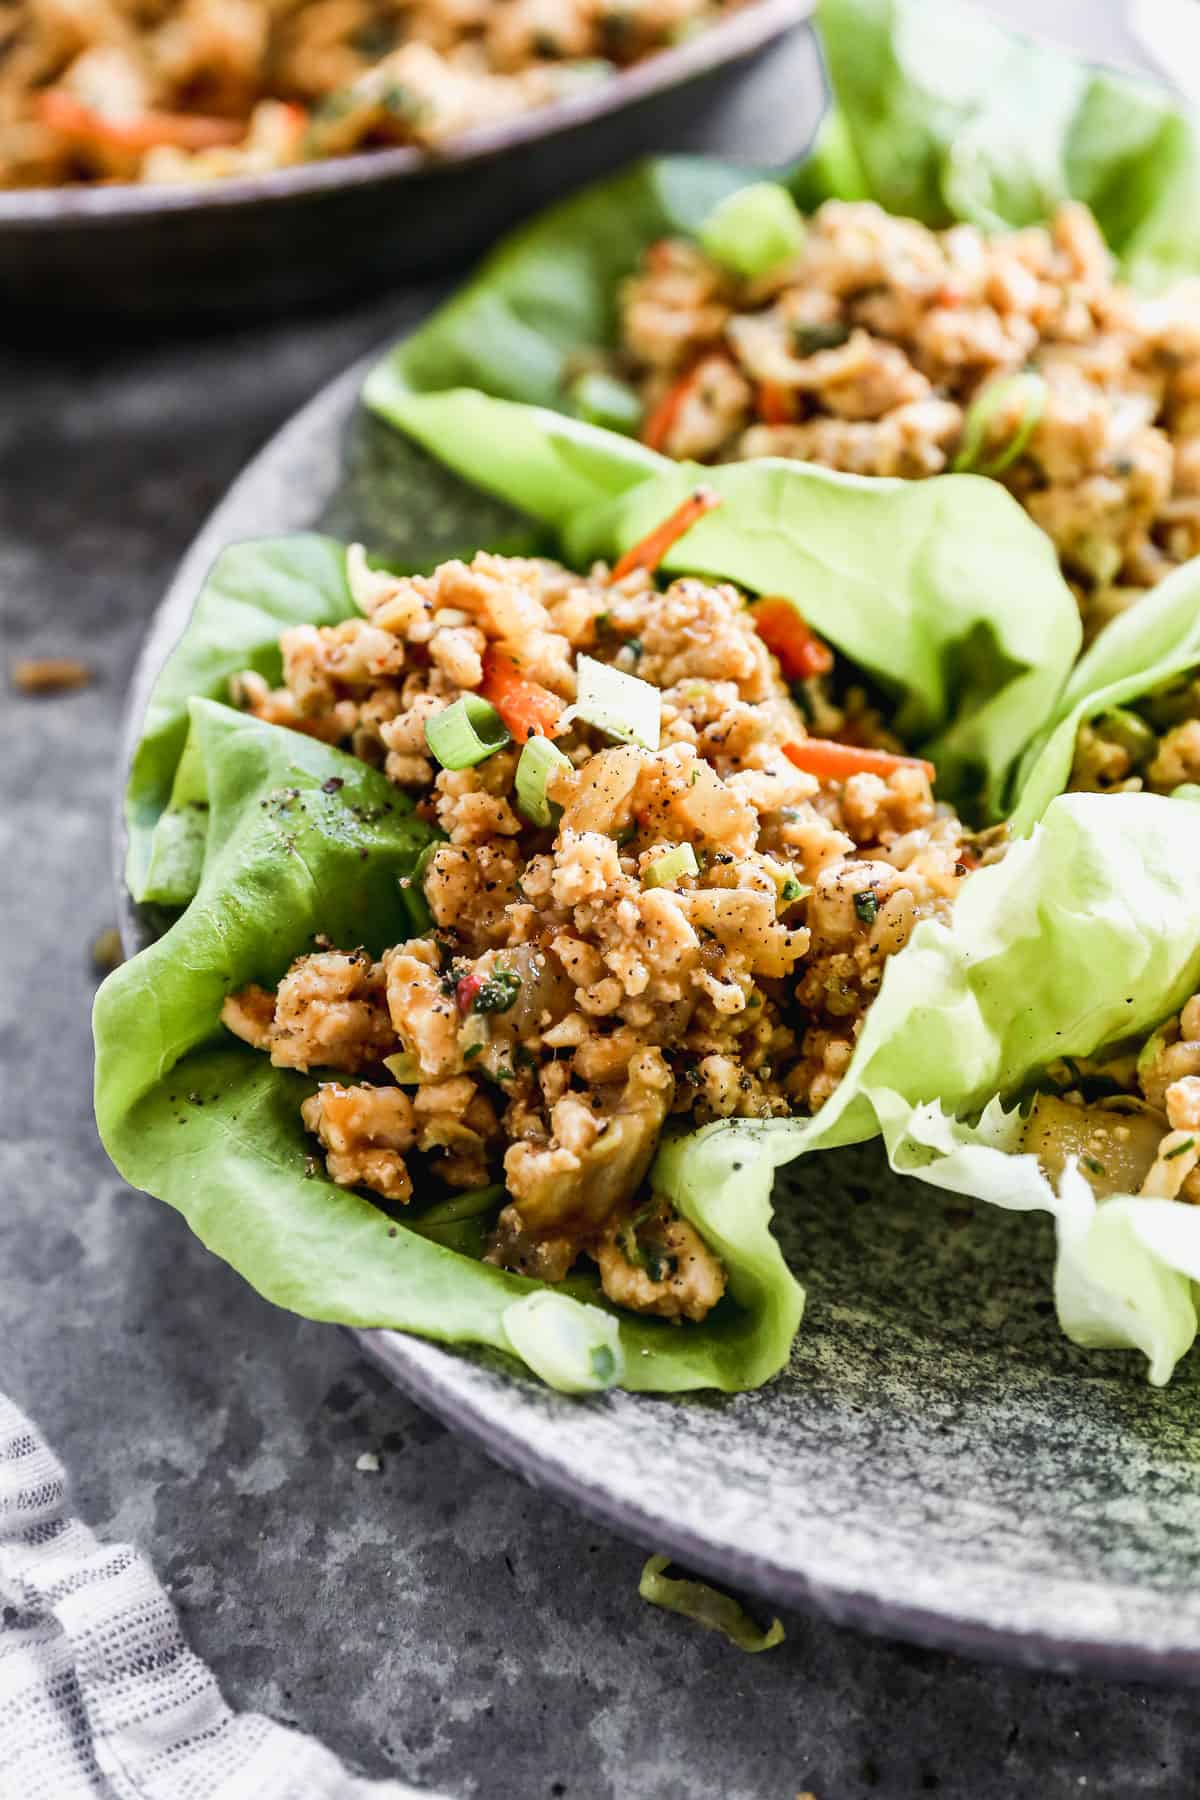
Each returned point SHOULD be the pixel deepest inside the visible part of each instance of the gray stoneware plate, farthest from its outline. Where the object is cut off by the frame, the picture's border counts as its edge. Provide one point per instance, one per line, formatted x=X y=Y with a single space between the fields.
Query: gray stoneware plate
x=937 y=1463
x=268 y=242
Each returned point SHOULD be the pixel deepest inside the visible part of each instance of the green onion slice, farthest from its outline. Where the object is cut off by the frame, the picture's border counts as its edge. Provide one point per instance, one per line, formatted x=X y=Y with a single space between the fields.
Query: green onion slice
x=404 y=1068
x=622 y=706
x=573 y=1347
x=471 y=1204
x=672 y=867
x=1031 y=388
x=789 y=887
x=413 y=891
x=538 y=759
x=1130 y=731
x=754 y=230
x=466 y=733
x=602 y=399
x=706 y=1606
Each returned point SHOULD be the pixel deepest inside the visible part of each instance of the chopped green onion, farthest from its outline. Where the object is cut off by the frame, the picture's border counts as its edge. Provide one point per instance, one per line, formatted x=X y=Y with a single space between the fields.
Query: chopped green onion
x=790 y=887
x=472 y=1204
x=866 y=905
x=412 y=890
x=622 y=706
x=1180 y=1149
x=404 y=1068
x=808 y=339
x=753 y=230
x=539 y=757
x=498 y=993
x=1148 y=1055
x=573 y=1347
x=1128 y=730
x=706 y=1606
x=982 y=411
x=664 y=871
x=601 y=399
x=466 y=733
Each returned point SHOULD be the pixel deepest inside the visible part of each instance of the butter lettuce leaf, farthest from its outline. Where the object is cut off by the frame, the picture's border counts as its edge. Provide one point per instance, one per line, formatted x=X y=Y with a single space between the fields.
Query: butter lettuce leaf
x=1153 y=643
x=254 y=591
x=550 y=288
x=939 y=113
x=943 y=115
x=303 y=840
x=1124 y=1266
x=1084 y=935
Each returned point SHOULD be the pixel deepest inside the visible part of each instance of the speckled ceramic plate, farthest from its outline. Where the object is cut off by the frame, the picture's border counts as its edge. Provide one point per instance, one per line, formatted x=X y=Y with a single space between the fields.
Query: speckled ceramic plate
x=937 y=1462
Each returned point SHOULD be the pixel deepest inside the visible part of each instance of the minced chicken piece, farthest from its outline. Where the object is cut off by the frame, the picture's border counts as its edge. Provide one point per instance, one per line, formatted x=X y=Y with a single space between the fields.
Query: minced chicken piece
x=1151 y=744
x=698 y=934
x=869 y=350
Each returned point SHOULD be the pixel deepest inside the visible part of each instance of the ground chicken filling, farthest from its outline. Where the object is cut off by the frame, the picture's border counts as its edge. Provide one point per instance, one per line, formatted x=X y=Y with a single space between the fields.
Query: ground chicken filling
x=1152 y=744
x=885 y=348
x=696 y=935
x=186 y=90
x=1131 y=1119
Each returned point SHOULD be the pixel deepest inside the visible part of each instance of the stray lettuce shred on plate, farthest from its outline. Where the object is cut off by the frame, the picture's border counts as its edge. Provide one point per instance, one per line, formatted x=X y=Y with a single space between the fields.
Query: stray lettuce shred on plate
x=706 y=1606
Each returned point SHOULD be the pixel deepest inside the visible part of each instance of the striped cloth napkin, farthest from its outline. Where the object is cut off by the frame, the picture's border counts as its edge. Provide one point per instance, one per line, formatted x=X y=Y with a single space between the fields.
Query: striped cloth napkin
x=99 y=1694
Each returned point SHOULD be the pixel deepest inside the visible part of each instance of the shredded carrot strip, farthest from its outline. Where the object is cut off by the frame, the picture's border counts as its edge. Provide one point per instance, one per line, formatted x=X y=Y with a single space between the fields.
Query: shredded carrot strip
x=654 y=546
x=775 y=403
x=800 y=651
x=831 y=761
x=657 y=428
x=62 y=112
x=527 y=708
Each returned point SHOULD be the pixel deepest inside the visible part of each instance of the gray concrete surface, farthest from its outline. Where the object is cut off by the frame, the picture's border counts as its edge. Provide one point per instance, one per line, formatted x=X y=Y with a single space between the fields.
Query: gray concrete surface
x=438 y=1619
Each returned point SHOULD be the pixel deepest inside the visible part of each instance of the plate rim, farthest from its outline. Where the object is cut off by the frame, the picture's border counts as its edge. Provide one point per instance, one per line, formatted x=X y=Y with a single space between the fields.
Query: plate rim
x=436 y=1376
x=730 y=38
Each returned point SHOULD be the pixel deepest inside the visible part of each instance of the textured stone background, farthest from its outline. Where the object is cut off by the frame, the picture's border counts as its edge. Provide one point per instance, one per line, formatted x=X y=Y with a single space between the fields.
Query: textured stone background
x=438 y=1619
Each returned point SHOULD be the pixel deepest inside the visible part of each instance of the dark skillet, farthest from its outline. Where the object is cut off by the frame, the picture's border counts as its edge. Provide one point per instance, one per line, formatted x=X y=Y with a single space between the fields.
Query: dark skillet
x=266 y=242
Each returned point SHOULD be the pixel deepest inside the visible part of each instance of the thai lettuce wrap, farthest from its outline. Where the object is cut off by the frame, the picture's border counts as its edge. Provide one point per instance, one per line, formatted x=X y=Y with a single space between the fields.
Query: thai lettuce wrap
x=1106 y=1135
x=987 y=263
x=532 y=915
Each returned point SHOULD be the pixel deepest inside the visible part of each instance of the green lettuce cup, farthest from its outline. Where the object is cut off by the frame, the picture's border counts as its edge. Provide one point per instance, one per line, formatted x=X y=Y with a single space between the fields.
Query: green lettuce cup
x=272 y=841
x=269 y=841
x=305 y=841
x=679 y=307
x=1129 y=717
x=1097 y=1128
x=939 y=114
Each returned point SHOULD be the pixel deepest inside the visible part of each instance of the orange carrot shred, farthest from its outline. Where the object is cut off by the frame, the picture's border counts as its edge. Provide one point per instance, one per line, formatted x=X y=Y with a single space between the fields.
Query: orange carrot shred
x=783 y=630
x=527 y=708
x=63 y=113
x=657 y=428
x=775 y=403
x=831 y=761
x=654 y=546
